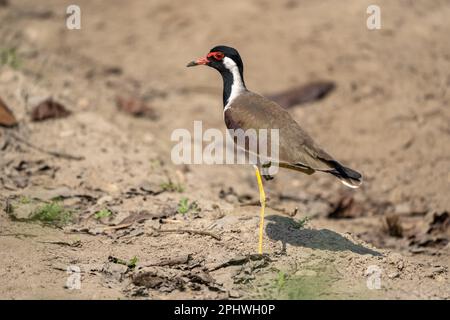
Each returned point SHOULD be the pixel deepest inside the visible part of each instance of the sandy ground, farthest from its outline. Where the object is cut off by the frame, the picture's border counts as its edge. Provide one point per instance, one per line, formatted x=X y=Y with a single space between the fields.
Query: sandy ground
x=388 y=118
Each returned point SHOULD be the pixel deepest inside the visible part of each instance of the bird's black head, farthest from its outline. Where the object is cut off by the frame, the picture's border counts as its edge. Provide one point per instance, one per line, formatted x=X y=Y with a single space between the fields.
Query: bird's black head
x=228 y=62
x=221 y=58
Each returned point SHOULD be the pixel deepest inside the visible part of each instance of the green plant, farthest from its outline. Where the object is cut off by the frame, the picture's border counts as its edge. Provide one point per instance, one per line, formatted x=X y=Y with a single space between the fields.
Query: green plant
x=8 y=56
x=52 y=213
x=172 y=187
x=104 y=213
x=281 y=280
x=24 y=200
x=184 y=206
x=130 y=264
x=301 y=223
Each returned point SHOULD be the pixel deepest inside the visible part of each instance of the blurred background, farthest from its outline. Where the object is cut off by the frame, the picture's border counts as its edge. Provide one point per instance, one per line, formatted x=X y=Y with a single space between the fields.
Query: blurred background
x=86 y=117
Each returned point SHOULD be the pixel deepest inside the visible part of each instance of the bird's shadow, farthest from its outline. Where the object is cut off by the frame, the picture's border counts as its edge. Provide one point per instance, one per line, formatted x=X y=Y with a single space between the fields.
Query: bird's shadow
x=284 y=229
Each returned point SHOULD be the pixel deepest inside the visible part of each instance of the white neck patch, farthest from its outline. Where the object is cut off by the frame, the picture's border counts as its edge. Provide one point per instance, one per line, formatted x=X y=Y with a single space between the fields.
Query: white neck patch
x=238 y=85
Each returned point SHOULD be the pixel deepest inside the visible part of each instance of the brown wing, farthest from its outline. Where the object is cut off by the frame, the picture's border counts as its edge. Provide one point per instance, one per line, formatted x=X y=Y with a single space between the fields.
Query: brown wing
x=296 y=147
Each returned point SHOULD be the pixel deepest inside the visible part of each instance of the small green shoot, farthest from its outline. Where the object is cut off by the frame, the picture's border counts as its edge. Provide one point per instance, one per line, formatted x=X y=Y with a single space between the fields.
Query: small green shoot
x=301 y=223
x=133 y=262
x=8 y=56
x=53 y=214
x=25 y=200
x=130 y=264
x=104 y=213
x=281 y=280
x=184 y=206
x=172 y=187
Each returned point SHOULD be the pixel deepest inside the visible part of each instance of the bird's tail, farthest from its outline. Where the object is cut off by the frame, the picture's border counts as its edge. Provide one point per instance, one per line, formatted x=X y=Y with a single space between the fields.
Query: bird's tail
x=348 y=177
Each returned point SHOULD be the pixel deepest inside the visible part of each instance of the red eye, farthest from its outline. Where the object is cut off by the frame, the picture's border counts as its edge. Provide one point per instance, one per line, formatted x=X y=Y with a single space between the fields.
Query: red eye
x=219 y=55
x=216 y=55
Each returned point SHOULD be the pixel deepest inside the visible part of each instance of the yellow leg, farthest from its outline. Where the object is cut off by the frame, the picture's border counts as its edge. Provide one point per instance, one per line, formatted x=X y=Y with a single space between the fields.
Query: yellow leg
x=262 y=200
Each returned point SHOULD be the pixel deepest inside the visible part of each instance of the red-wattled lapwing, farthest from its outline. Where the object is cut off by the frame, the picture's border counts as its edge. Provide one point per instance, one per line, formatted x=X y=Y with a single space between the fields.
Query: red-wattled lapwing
x=245 y=110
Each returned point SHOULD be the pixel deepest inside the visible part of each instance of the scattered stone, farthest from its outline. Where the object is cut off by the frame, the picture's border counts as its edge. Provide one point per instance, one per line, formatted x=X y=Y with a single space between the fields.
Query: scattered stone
x=165 y=280
x=393 y=275
x=234 y=294
x=231 y=196
x=135 y=107
x=115 y=271
x=434 y=271
x=103 y=200
x=151 y=188
x=139 y=292
x=397 y=260
x=416 y=250
x=24 y=211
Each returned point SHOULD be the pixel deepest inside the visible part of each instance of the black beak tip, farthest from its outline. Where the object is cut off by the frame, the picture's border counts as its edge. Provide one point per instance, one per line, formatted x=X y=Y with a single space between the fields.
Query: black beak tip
x=191 y=64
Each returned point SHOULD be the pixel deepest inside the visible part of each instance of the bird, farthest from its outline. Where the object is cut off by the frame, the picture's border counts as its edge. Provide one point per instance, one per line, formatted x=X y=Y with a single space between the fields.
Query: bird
x=244 y=109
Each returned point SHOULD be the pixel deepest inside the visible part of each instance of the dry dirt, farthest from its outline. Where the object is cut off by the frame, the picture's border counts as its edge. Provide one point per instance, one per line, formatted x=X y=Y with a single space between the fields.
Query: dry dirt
x=389 y=118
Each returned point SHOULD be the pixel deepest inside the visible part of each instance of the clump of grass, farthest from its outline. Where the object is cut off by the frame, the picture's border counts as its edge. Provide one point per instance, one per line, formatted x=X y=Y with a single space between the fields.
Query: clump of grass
x=9 y=57
x=104 y=213
x=184 y=206
x=284 y=284
x=53 y=214
x=25 y=200
x=172 y=187
x=132 y=263
x=301 y=223
x=281 y=280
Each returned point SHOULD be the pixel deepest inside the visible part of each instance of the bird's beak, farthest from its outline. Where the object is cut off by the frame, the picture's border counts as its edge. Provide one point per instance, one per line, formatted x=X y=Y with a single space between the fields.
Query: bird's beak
x=198 y=62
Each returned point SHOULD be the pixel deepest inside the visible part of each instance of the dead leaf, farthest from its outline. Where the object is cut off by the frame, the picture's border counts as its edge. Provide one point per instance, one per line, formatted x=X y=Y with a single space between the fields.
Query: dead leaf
x=138 y=217
x=440 y=224
x=392 y=226
x=7 y=118
x=49 y=109
x=307 y=93
x=136 y=107
x=346 y=208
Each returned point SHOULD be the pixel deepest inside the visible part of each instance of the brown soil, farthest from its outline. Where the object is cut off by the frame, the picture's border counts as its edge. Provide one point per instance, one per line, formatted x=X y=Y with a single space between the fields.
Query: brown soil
x=388 y=117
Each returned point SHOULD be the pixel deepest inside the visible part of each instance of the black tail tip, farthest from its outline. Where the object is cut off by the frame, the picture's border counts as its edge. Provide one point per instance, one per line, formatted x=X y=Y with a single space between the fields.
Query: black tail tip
x=348 y=177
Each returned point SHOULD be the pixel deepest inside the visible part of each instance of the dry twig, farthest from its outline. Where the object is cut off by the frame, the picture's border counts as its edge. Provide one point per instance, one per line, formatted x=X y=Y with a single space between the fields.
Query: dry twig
x=200 y=232
x=50 y=152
